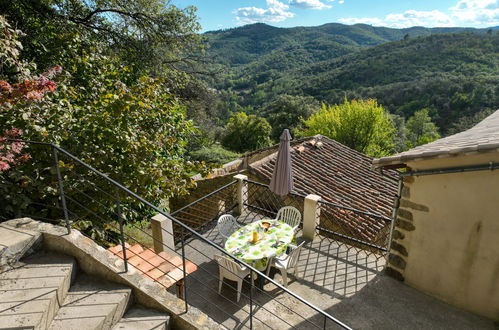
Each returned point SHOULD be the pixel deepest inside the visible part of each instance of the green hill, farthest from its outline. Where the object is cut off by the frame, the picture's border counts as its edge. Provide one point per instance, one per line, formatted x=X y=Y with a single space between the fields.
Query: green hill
x=246 y=44
x=453 y=71
x=455 y=74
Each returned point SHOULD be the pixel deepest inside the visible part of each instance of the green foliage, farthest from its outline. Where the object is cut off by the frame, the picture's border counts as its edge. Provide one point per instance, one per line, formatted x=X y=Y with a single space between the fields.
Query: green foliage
x=149 y=36
x=400 y=143
x=10 y=48
x=144 y=144
x=246 y=132
x=468 y=122
x=260 y=42
x=214 y=154
x=360 y=125
x=288 y=111
x=454 y=74
x=130 y=127
x=451 y=70
x=420 y=129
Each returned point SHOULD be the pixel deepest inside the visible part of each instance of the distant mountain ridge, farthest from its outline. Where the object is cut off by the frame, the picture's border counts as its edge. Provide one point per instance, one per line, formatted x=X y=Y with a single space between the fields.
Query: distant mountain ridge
x=454 y=72
x=245 y=44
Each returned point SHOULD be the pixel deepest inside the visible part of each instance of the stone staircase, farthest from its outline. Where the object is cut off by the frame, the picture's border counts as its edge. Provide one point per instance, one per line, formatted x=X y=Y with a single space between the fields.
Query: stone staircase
x=41 y=289
x=46 y=291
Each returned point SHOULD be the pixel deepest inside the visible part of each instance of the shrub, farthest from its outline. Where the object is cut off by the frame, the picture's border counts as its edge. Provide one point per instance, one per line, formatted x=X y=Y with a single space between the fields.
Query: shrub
x=214 y=154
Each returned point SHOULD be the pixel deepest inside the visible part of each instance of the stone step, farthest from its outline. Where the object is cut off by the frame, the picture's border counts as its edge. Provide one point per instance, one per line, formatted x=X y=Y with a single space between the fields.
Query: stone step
x=15 y=243
x=92 y=304
x=138 y=318
x=30 y=293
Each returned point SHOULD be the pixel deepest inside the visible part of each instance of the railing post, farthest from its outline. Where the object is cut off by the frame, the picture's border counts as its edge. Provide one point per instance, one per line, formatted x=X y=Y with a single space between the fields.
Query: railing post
x=251 y=299
x=242 y=193
x=122 y=232
x=311 y=216
x=61 y=189
x=162 y=233
x=183 y=269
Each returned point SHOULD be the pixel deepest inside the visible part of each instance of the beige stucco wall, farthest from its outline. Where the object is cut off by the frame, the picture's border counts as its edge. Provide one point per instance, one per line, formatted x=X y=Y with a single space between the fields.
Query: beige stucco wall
x=448 y=234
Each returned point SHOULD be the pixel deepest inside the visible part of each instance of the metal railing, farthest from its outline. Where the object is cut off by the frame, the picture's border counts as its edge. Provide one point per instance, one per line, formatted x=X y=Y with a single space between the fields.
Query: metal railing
x=367 y=230
x=202 y=212
x=362 y=229
x=260 y=200
x=74 y=193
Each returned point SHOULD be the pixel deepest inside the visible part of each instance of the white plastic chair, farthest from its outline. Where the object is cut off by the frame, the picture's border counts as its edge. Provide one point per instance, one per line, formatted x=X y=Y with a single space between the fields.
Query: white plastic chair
x=227 y=225
x=231 y=270
x=286 y=262
x=289 y=215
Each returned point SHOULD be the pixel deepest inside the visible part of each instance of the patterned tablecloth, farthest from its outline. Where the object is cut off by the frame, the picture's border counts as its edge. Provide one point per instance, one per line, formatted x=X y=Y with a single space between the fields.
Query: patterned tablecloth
x=270 y=243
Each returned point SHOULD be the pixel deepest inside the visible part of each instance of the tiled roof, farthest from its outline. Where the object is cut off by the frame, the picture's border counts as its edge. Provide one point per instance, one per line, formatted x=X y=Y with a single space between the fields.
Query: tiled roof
x=483 y=137
x=159 y=267
x=274 y=147
x=339 y=175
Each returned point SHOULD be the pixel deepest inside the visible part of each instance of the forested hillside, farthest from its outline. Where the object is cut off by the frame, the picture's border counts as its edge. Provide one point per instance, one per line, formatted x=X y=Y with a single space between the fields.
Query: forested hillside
x=248 y=43
x=454 y=74
x=457 y=75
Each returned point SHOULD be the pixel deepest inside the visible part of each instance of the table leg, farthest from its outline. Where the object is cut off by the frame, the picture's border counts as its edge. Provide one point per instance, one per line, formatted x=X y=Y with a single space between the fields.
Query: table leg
x=260 y=281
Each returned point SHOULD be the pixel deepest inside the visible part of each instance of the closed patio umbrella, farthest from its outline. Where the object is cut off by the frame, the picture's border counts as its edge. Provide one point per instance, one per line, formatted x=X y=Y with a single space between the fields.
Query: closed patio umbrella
x=282 y=177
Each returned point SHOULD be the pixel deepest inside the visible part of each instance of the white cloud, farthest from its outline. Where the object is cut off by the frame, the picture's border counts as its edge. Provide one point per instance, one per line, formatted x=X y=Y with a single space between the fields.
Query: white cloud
x=309 y=4
x=418 y=18
x=479 y=13
x=341 y=2
x=476 y=12
x=405 y=19
x=276 y=12
x=363 y=20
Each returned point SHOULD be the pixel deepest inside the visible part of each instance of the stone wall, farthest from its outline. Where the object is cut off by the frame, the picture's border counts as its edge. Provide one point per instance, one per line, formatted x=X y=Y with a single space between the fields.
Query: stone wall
x=404 y=225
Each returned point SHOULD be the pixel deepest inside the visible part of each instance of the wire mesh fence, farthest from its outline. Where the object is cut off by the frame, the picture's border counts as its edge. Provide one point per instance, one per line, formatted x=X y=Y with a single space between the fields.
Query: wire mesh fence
x=364 y=230
x=57 y=187
x=205 y=211
x=260 y=202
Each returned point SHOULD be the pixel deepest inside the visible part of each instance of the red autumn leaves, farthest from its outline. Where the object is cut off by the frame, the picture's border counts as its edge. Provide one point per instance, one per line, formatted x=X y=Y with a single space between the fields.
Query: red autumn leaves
x=28 y=90
x=11 y=152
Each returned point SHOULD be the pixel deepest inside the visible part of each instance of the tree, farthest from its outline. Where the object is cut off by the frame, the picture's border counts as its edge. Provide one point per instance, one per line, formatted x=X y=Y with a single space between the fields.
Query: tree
x=150 y=37
x=468 y=122
x=17 y=94
x=288 y=111
x=214 y=154
x=420 y=129
x=126 y=25
x=400 y=140
x=132 y=129
x=360 y=125
x=245 y=133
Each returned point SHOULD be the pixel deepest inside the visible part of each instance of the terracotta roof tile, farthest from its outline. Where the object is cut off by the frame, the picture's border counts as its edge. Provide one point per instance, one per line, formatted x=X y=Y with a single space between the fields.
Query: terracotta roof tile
x=160 y=267
x=130 y=251
x=342 y=176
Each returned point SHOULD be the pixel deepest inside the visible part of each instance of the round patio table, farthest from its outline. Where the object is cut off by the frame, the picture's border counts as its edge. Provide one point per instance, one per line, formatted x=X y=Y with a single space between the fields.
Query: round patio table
x=270 y=243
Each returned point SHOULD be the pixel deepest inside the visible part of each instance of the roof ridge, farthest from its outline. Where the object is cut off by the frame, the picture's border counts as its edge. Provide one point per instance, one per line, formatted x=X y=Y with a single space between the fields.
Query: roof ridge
x=483 y=137
x=292 y=142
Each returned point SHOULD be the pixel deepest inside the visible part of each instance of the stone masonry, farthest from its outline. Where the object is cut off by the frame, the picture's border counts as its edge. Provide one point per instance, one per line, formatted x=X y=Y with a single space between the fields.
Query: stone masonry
x=404 y=225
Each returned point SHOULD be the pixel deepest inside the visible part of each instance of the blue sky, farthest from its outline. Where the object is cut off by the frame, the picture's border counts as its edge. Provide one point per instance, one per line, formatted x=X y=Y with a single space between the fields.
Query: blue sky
x=222 y=14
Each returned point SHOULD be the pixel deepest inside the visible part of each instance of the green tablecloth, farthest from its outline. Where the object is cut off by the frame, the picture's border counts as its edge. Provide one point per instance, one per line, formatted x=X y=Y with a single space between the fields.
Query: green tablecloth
x=270 y=243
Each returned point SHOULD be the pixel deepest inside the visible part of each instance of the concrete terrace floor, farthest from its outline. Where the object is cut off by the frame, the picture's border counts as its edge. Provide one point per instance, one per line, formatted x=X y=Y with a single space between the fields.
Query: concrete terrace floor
x=344 y=281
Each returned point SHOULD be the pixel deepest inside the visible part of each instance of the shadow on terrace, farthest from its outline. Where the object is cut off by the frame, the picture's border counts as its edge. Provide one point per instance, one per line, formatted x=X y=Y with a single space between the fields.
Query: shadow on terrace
x=338 y=280
x=336 y=260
